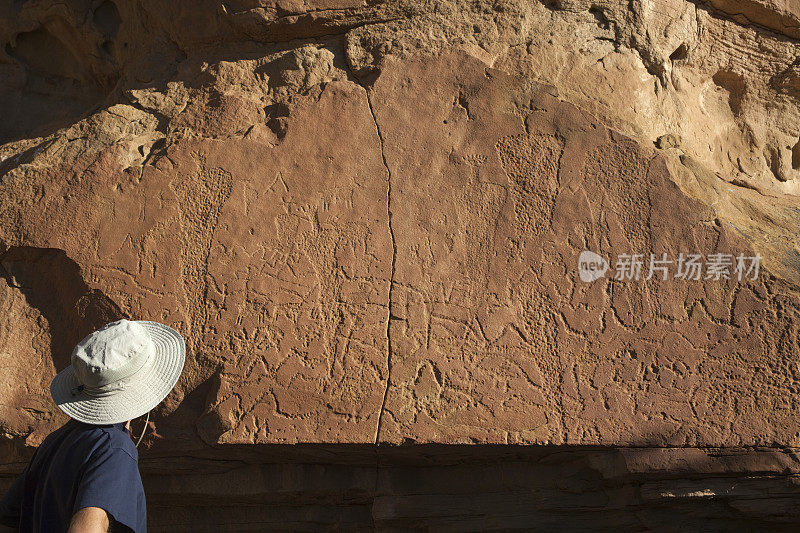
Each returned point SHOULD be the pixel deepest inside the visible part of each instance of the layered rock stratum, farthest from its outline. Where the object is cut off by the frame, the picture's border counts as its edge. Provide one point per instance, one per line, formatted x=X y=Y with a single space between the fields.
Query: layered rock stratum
x=366 y=217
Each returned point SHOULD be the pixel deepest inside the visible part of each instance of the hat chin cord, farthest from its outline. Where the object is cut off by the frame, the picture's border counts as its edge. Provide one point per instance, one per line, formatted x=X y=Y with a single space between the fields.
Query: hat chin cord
x=144 y=429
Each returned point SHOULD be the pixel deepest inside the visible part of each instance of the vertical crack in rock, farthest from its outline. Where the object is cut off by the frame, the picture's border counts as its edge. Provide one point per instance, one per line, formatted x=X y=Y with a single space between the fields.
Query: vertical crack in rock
x=391 y=275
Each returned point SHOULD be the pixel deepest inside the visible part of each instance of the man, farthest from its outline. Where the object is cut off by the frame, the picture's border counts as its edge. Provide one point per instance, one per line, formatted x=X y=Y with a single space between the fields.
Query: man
x=85 y=476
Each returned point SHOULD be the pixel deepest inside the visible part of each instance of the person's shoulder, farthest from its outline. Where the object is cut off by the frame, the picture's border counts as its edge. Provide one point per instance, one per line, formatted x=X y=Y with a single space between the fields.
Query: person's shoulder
x=59 y=433
x=58 y=437
x=119 y=439
x=115 y=439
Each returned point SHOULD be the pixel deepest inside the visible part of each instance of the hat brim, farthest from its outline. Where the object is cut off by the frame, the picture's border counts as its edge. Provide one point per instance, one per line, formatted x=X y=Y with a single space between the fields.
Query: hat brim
x=139 y=397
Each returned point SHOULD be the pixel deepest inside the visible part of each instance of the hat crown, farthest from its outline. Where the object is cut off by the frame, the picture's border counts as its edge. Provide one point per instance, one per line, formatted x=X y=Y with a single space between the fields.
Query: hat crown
x=113 y=352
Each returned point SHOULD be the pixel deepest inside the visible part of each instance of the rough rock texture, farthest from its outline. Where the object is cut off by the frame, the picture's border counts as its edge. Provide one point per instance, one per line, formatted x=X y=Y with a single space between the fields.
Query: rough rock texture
x=365 y=218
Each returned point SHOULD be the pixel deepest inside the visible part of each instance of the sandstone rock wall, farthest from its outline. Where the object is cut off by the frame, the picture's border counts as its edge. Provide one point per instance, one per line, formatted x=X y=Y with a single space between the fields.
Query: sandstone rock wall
x=365 y=218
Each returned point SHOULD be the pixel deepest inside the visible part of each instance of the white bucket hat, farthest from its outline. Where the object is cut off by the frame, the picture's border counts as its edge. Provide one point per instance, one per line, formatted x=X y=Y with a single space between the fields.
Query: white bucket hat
x=120 y=372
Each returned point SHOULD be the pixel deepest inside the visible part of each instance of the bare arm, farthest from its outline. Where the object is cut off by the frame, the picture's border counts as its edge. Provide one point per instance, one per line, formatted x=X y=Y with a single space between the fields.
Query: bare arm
x=89 y=520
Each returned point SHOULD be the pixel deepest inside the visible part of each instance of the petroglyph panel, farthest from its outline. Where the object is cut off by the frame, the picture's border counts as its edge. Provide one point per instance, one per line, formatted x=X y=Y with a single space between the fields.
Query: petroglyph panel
x=273 y=254
x=495 y=192
x=272 y=260
x=294 y=278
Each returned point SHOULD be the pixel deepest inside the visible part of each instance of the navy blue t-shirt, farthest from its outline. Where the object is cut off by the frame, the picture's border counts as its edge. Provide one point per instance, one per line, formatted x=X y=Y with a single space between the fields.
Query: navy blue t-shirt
x=79 y=465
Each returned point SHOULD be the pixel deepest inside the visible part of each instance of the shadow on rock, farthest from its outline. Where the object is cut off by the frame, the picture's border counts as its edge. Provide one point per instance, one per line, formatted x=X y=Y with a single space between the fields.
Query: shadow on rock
x=53 y=284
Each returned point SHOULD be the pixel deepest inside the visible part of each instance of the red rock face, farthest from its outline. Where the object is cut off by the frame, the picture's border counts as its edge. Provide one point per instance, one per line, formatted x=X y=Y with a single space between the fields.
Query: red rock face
x=402 y=266
x=297 y=279
x=495 y=192
x=273 y=261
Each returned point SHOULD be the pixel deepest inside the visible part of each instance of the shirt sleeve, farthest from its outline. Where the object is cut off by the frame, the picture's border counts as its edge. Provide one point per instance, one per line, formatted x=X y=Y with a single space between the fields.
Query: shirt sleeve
x=11 y=504
x=111 y=481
